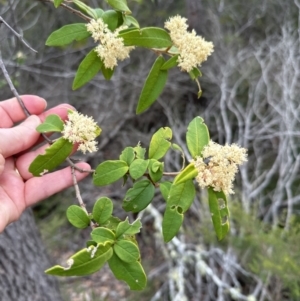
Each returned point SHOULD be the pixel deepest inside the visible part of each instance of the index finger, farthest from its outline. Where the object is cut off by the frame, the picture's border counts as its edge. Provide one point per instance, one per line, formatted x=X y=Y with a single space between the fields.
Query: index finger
x=11 y=111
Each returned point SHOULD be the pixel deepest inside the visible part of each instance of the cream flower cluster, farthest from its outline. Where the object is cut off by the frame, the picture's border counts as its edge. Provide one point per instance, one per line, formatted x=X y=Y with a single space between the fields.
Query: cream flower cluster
x=193 y=49
x=83 y=130
x=111 y=47
x=218 y=165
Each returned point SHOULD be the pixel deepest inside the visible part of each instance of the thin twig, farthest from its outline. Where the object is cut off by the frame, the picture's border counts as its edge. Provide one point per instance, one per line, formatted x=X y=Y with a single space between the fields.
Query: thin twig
x=19 y=36
x=71 y=9
x=78 y=195
x=12 y=87
x=72 y=164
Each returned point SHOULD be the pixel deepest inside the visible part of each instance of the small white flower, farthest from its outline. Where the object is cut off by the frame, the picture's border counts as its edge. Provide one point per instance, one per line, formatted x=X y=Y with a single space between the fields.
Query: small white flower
x=218 y=165
x=193 y=49
x=111 y=47
x=83 y=130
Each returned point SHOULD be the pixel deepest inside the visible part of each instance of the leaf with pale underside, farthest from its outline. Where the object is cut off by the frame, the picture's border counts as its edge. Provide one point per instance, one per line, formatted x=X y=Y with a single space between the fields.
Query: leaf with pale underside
x=54 y=155
x=84 y=262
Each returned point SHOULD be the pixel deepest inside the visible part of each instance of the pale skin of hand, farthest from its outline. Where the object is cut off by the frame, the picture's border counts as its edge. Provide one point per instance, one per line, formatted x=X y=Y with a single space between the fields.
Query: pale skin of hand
x=18 y=188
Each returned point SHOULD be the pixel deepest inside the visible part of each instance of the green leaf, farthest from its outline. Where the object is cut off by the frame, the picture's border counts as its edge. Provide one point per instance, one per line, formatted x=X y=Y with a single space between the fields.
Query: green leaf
x=197 y=136
x=219 y=212
x=125 y=228
x=155 y=169
x=52 y=123
x=172 y=62
x=159 y=143
x=78 y=217
x=85 y=262
x=139 y=152
x=126 y=250
x=139 y=196
x=127 y=155
x=112 y=223
x=129 y=20
x=153 y=86
x=109 y=171
x=120 y=5
x=172 y=222
x=67 y=34
x=107 y=72
x=87 y=69
x=132 y=273
x=182 y=195
x=57 y=3
x=54 y=155
x=113 y=19
x=165 y=189
x=99 y=12
x=86 y=9
x=148 y=37
x=138 y=168
x=195 y=73
x=103 y=235
x=190 y=172
x=179 y=200
x=102 y=210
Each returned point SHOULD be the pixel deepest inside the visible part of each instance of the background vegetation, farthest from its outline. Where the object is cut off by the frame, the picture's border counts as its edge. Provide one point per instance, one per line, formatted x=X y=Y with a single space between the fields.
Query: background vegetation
x=250 y=96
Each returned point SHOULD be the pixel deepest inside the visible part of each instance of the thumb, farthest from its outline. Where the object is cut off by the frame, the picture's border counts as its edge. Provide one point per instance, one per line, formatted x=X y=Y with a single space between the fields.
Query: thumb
x=19 y=138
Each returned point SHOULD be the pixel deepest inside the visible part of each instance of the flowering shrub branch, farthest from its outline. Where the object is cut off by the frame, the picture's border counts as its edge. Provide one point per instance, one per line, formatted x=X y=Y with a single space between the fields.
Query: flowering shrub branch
x=213 y=166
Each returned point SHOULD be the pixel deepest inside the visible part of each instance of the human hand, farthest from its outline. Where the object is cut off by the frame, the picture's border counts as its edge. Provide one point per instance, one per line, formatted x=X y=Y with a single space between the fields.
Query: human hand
x=18 y=188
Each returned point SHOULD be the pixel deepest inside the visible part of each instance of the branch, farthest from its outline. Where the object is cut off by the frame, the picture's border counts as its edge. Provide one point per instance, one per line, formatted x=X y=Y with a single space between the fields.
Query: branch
x=19 y=36
x=71 y=9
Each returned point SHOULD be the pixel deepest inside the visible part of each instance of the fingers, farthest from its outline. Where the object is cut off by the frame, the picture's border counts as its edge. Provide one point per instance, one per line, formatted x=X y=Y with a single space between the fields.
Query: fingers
x=19 y=138
x=37 y=189
x=11 y=111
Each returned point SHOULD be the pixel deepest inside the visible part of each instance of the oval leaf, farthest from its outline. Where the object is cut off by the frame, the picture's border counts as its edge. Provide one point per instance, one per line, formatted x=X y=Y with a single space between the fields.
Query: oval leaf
x=132 y=273
x=153 y=86
x=148 y=37
x=138 y=168
x=87 y=69
x=182 y=195
x=189 y=173
x=127 y=155
x=103 y=235
x=172 y=222
x=119 y=5
x=52 y=123
x=219 y=212
x=109 y=171
x=159 y=143
x=67 y=34
x=197 y=136
x=78 y=217
x=139 y=196
x=54 y=155
x=127 y=251
x=84 y=262
x=102 y=210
